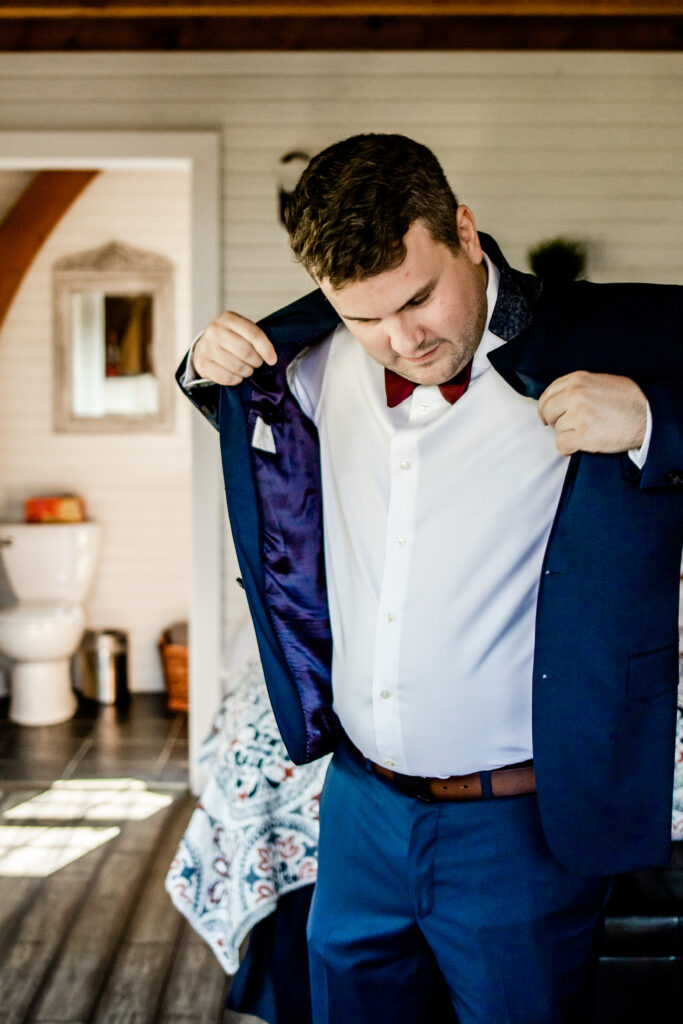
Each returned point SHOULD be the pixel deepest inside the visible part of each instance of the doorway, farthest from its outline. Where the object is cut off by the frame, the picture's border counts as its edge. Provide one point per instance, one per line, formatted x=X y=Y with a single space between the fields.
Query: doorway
x=127 y=160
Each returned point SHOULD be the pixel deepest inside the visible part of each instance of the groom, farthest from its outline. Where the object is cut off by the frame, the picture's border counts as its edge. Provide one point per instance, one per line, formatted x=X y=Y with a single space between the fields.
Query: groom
x=456 y=500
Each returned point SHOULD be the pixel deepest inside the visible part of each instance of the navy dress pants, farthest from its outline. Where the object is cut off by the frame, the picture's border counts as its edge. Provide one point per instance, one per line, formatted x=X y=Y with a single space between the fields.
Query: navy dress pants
x=435 y=913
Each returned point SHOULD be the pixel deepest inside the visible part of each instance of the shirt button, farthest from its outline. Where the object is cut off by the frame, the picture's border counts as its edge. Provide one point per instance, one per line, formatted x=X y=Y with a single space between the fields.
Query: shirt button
x=405 y=465
x=400 y=542
x=390 y=616
x=385 y=694
x=389 y=763
x=424 y=407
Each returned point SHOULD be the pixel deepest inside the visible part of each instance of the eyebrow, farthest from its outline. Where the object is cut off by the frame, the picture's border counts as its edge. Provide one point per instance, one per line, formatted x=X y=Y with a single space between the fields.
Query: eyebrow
x=421 y=293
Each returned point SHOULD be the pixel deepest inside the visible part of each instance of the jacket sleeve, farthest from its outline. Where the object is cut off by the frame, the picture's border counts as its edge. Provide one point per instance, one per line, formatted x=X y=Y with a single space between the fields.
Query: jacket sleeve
x=204 y=397
x=664 y=463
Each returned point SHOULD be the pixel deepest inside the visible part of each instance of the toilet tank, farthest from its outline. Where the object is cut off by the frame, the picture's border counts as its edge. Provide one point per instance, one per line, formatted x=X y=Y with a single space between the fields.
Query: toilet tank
x=50 y=561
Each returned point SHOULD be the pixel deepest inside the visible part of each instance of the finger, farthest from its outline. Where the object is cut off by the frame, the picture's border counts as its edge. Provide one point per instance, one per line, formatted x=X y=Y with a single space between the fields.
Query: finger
x=567 y=439
x=228 y=348
x=576 y=432
x=552 y=405
x=221 y=350
x=219 y=375
x=566 y=442
x=251 y=333
x=559 y=393
x=545 y=403
x=211 y=361
x=229 y=369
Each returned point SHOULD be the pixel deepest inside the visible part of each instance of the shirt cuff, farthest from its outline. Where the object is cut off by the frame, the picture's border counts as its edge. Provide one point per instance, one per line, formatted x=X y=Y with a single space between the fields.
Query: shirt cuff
x=639 y=455
x=191 y=378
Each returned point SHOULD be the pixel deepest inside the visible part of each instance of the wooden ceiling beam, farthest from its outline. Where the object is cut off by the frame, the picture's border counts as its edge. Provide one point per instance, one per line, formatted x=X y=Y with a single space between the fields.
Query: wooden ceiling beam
x=56 y=9
x=73 y=35
x=27 y=225
x=76 y=25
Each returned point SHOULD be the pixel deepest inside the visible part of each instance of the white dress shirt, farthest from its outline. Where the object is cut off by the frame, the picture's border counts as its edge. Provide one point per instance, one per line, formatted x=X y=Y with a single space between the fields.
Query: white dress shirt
x=436 y=519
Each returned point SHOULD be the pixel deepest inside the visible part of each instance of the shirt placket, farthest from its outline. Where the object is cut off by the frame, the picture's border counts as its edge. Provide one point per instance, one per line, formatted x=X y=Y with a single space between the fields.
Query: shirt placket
x=387 y=699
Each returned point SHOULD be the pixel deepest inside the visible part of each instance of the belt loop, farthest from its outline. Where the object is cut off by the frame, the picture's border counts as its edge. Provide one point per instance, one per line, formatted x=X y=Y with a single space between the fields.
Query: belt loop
x=486 y=790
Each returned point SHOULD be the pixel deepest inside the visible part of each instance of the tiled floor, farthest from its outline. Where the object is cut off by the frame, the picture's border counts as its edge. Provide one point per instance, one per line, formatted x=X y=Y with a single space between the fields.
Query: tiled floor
x=141 y=739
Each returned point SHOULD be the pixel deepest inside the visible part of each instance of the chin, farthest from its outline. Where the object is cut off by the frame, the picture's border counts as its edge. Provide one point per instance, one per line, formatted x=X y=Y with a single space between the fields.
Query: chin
x=432 y=375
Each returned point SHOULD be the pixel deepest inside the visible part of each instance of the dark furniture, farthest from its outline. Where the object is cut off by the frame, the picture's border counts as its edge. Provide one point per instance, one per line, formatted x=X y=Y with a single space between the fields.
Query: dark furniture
x=640 y=976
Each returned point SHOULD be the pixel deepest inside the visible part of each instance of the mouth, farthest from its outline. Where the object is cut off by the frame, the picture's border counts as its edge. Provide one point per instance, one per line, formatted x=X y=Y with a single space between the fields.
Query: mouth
x=423 y=357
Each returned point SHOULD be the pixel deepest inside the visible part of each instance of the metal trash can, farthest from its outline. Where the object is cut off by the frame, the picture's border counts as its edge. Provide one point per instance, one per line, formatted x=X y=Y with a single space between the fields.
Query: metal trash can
x=104 y=666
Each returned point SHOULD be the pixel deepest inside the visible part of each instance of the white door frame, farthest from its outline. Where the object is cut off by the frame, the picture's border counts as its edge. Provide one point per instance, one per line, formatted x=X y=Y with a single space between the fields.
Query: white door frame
x=198 y=152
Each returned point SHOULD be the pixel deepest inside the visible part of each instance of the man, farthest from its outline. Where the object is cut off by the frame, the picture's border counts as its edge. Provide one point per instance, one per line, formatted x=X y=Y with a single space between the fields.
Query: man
x=490 y=638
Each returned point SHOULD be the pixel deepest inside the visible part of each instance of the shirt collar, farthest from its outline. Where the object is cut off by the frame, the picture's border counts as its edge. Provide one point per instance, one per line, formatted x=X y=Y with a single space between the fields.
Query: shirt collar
x=489 y=340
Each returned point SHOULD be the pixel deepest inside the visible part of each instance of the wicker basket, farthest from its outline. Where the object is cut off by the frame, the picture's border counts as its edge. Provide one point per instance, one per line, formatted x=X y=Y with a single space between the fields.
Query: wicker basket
x=174 y=664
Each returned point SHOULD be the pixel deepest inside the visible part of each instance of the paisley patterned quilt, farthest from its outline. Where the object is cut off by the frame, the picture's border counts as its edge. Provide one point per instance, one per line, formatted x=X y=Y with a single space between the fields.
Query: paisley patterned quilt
x=254 y=833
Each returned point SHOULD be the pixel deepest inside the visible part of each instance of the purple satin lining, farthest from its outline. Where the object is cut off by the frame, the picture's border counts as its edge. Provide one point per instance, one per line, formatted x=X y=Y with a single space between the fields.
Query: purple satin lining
x=288 y=487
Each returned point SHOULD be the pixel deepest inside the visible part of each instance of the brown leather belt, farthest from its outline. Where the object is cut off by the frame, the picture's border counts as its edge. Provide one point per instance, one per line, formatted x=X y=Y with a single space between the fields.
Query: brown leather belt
x=512 y=780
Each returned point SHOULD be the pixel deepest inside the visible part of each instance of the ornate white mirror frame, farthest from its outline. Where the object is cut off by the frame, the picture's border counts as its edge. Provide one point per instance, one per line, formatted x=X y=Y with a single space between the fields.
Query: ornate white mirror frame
x=86 y=395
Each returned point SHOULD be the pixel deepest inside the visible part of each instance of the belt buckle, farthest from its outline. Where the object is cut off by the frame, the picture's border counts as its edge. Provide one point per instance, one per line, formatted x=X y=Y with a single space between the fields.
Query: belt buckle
x=416 y=786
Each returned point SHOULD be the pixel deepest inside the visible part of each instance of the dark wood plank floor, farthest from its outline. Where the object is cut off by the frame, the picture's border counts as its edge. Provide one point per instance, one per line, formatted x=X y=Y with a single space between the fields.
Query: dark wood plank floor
x=97 y=940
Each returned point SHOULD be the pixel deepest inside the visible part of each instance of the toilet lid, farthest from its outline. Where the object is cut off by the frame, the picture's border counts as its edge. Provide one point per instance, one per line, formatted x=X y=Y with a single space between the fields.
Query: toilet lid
x=29 y=613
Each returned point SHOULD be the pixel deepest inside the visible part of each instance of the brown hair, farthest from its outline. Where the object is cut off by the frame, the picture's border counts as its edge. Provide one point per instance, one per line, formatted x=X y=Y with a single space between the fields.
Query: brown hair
x=356 y=200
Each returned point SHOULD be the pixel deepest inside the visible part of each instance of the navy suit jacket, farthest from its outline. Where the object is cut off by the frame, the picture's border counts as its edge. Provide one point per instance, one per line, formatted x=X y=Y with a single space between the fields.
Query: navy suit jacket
x=606 y=644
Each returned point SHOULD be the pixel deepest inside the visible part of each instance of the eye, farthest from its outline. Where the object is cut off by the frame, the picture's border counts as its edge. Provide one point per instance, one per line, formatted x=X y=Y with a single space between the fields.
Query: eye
x=420 y=299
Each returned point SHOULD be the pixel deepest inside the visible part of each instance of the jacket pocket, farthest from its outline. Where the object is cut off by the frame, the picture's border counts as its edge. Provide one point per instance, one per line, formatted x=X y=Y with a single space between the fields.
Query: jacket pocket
x=653 y=673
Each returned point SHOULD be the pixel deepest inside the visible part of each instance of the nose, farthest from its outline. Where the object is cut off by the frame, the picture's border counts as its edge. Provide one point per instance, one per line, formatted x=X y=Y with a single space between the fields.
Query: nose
x=405 y=337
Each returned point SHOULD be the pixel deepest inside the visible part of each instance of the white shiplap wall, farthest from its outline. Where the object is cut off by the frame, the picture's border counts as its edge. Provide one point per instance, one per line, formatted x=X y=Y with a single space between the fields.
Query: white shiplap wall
x=136 y=485
x=538 y=144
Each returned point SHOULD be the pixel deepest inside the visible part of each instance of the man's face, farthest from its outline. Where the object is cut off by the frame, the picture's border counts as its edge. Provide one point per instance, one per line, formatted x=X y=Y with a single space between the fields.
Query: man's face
x=424 y=319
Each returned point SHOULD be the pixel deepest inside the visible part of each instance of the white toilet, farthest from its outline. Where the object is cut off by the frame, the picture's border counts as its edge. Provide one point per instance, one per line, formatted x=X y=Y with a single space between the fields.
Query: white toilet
x=51 y=567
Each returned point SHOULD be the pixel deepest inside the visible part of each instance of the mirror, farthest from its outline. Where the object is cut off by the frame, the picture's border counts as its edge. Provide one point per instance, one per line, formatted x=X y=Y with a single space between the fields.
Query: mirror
x=113 y=340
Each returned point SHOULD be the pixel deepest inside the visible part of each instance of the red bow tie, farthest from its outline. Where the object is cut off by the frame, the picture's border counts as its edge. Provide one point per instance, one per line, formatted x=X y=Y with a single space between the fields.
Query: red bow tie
x=399 y=388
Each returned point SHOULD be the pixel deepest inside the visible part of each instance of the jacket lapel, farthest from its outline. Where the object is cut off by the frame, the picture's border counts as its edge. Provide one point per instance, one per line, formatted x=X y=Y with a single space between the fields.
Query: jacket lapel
x=517 y=295
x=513 y=314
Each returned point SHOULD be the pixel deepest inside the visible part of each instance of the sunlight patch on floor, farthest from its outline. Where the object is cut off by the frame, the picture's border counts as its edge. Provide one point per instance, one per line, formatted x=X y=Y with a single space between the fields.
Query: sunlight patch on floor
x=38 y=851
x=92 y=800
x=33 y=850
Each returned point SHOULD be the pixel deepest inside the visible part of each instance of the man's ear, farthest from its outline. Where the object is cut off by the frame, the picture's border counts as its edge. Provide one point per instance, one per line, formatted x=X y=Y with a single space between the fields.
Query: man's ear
x=468 y=235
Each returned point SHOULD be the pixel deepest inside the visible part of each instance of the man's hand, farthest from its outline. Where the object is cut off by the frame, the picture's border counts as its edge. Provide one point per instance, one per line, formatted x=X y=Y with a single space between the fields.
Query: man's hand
x=594 y=412
x=230 y=349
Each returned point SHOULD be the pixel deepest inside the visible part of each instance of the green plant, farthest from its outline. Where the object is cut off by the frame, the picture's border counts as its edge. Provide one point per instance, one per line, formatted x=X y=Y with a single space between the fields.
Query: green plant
x=558 y=259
